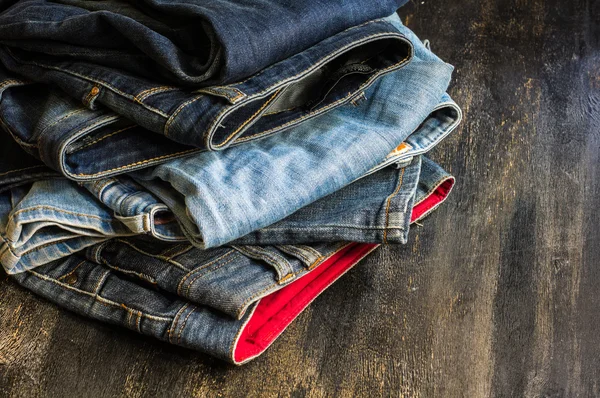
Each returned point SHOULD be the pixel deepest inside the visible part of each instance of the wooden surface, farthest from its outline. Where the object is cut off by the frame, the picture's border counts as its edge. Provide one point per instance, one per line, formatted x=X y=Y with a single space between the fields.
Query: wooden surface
x=498 y=294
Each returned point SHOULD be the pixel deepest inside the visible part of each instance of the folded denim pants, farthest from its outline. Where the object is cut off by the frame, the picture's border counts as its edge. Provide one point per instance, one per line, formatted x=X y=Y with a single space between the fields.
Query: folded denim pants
x=222 y=196
x=85 y=144
x=323 y=77
x=183 y=42
x=225 y=304
x=51 y=219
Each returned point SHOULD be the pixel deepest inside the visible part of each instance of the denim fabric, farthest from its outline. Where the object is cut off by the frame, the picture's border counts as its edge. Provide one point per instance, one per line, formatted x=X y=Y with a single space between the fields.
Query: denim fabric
x=51 y=219
x=220 y=197
x=325 y=76
x=189 y=42
x=217 y=292
x=105 y=294
x=68 y=137
x=16 y=166
x=232 y=193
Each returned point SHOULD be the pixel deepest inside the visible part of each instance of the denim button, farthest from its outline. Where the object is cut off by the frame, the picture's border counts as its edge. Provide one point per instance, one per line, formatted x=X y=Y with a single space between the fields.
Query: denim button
x=71 y=279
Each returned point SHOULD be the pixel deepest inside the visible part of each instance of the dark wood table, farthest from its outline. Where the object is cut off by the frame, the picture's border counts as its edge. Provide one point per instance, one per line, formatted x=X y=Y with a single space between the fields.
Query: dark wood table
x=498 y=294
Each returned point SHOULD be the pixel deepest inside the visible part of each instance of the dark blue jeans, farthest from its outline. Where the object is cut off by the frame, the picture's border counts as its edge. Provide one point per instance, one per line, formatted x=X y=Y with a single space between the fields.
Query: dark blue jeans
x=181 y=42
x=326 y=75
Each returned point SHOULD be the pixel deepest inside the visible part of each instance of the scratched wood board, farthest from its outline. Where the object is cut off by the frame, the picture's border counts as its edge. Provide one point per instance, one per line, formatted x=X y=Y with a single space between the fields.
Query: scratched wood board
x=497 y=294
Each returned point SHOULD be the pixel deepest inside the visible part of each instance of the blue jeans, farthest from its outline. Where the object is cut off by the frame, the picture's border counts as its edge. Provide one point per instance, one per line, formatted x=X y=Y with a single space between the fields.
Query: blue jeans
x=183 y=42
x=51 y=219
x=333 y=72
x=229 y=302
x=221 y=196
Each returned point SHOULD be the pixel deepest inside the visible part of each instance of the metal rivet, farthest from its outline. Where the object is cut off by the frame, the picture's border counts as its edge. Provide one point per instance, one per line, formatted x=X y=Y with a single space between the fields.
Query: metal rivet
x=95 y=91
x=71 y=279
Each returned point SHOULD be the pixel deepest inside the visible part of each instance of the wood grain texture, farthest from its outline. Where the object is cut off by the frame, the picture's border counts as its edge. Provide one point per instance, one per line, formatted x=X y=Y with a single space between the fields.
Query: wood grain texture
x=496 y=295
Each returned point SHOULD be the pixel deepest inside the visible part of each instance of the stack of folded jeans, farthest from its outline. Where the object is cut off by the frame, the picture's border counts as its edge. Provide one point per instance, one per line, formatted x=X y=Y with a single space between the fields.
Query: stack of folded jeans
x=200 y=170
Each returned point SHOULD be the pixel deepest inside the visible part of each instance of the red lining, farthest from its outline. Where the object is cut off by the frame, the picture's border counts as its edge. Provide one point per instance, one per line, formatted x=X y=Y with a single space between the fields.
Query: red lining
x=276 y=311
x=431 y=201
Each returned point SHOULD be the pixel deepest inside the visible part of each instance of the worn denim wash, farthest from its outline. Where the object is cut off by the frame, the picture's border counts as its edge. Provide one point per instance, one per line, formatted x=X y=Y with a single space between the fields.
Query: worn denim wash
x=231 y=193
x=227 y=302
x=51 y=219
x=16 y=166
x=182 y=42
x=327 y=75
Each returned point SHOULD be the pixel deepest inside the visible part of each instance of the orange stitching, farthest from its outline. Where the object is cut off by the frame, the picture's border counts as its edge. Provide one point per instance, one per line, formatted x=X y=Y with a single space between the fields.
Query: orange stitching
x=174 y=323
x=72 y=271
x=14 y=171
x=101 y=281
x=275 y=94
x=275 y=284
x=213 y=90
x=89 y=79
x=172 y=118
x=189 y=286
x=99 y=299
x=387 y=208
x=184 y=322
x=142 y=95
x=136 y=163
x=11 y=81
x=137 y=323
x=283 y=82
x=105 y=137
x=323 y=109
x=180 y=285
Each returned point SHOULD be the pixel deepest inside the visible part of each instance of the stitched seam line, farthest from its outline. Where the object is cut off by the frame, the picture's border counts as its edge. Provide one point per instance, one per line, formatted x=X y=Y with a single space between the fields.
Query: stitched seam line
x=174 y=323
x=10 y=219
x=241 y=127
x=181 y=107
x=105 y=137
x=253 y=297
x=170 y=261
x=72 y=271
x=307 y=71
x=14 y=136
x=387 y=207
x=96 y=296
x=219 y=93
x=437 y=185
x=172 y=255
x=180 y=285
x=89 y=79
x=208 y=271
x=293 y=251
x=310 y=249
x=140 y=275
x=147 y=93
x=184 y=323
x=15 y=171
x=136 y=163
x=344 y=31
x=325 y=108
x=11 y=81
x=278 y=262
